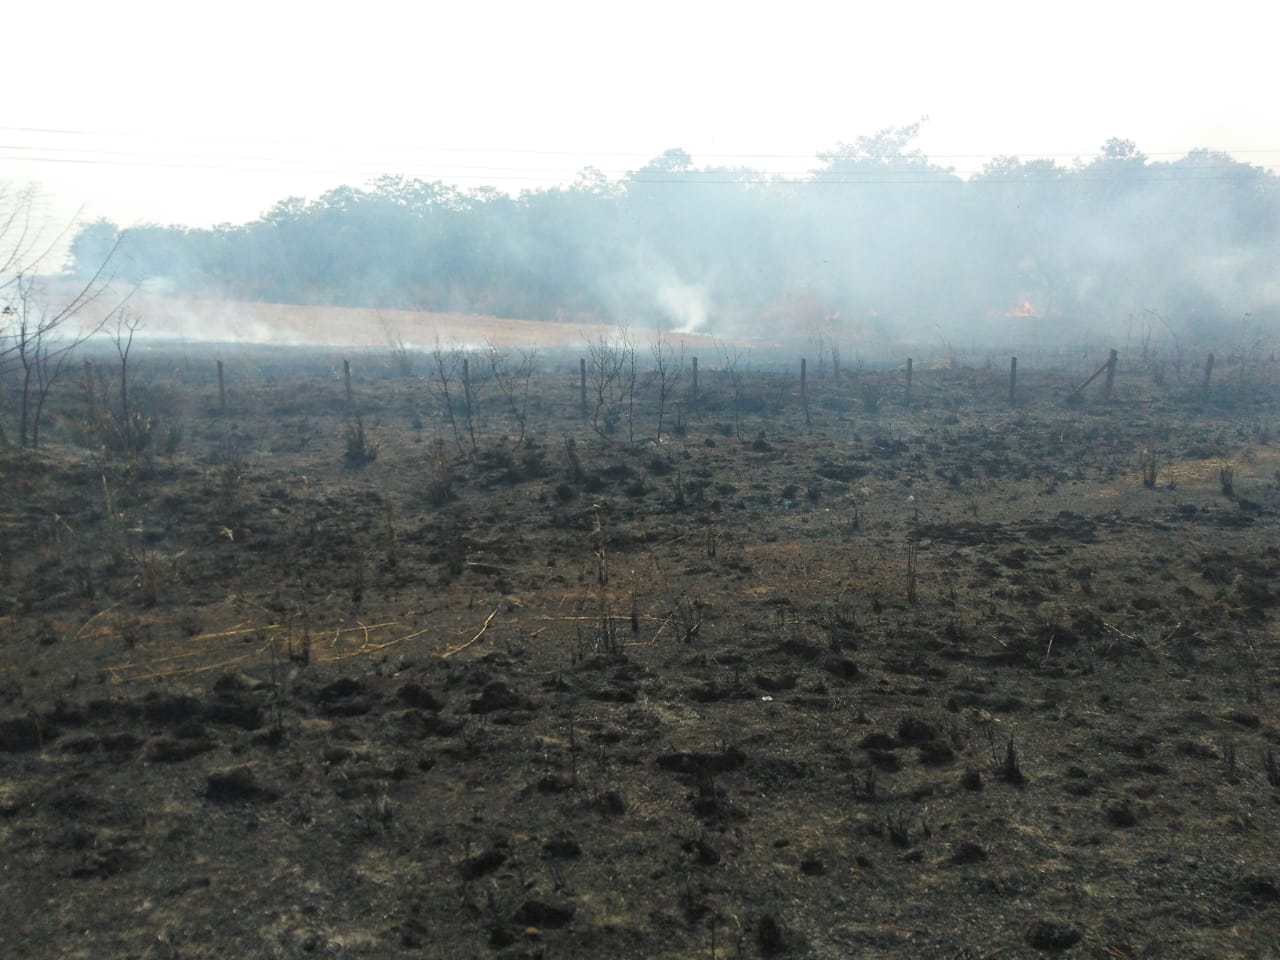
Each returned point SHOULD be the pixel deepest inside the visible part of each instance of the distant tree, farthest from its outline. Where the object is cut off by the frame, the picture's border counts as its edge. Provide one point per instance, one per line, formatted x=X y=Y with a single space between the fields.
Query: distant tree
x=40 y=326
x=876 y=231
x=1019 y=251
x=668 y=364
x=1116 y=150
x=672 y=161
x=889 y=148
x=92 y=245
x=888 y=225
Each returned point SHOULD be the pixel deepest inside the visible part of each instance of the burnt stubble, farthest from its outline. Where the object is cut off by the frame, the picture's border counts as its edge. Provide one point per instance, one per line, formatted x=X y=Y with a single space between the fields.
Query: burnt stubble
x=377 y=676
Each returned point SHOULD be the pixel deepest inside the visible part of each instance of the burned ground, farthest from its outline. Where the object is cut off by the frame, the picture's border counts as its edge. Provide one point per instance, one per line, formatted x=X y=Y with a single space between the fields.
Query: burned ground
x=840 y=677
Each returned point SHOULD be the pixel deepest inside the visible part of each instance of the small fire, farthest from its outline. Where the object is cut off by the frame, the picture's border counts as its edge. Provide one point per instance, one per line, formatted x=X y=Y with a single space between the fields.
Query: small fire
x=1024 y=310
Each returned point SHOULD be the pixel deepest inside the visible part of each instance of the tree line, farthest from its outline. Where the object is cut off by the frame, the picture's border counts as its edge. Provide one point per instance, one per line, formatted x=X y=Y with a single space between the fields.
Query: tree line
x=876 y=231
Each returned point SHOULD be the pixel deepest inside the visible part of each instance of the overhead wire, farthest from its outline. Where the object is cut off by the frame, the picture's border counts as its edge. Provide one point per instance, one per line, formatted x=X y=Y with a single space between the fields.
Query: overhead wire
x=438 y=148
x=93 y=155
x=1064 y=176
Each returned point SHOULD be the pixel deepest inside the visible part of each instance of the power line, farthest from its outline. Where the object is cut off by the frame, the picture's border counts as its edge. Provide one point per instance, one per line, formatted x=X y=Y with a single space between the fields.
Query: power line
x=580 y=152
x=364 y=161
x=1063 y=176
x=385 y=146
x=230 y=158
x=238 y=167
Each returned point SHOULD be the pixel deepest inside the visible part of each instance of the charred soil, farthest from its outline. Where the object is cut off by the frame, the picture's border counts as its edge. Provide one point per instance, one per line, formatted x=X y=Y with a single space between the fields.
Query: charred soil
x=395 y=673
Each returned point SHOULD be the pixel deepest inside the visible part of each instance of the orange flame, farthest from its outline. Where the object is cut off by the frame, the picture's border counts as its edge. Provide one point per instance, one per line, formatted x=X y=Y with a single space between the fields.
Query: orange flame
x=1025 y=310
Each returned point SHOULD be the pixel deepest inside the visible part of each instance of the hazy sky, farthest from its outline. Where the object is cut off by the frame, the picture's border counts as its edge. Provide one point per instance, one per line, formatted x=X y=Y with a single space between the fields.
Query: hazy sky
x=201 y=113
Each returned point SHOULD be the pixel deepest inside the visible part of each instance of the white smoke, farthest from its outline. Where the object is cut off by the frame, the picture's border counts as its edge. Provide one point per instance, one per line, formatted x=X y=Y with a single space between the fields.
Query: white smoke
x=685 y=304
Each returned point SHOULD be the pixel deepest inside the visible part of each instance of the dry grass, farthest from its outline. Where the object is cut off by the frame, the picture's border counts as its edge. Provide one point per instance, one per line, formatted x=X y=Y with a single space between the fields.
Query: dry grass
x=280 y=324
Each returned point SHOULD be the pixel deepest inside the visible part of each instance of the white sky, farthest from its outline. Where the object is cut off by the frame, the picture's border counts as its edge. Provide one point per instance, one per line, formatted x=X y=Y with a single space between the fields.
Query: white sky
x=216 y=111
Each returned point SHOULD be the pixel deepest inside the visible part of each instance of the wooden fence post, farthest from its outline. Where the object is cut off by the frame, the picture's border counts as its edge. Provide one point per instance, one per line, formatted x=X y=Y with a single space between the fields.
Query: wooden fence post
x=1111 y=375
x=804 y=391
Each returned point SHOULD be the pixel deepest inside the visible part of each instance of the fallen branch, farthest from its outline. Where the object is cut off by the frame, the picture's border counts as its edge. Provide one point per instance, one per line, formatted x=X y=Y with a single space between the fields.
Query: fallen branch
x=452 y=650
x=372 y=648
x=84 y=626
x=204 y=668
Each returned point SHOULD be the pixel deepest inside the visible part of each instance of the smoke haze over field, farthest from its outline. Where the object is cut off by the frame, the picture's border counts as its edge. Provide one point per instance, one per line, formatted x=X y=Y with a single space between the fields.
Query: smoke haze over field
x=195 y=320
x=876 y=239
x=507 y=159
